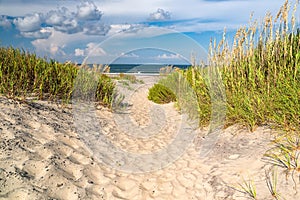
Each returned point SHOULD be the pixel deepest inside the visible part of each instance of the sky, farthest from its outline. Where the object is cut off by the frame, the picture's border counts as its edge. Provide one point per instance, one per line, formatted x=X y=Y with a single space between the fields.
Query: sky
x=124 y=31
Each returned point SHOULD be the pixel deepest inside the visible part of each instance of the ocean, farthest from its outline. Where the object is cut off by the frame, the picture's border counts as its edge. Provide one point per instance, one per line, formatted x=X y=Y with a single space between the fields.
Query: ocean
x=141 y=68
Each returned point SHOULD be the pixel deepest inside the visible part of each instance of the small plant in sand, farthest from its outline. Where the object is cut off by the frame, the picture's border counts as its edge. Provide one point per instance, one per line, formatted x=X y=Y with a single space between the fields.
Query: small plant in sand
x=285 y=154
x=161 y=94
x=126 y=80
x=248 y=188
x=166 y=70
x=271 y=181
x=128 y=77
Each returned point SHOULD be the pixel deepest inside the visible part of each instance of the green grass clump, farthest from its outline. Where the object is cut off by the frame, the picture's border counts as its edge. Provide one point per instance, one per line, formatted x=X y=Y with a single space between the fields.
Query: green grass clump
x=23 y=75
x=161 y=94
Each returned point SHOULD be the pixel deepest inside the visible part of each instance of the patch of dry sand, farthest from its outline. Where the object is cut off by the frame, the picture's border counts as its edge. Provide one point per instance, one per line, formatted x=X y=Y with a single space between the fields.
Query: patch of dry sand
x=43 y=157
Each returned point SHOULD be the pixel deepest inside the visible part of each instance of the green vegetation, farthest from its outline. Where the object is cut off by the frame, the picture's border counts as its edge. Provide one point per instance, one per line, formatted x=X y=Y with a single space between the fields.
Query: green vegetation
x=161 y=94
x=130 y=78
x=175 y=87
x=23 y=75
x=260 y=75
x=285 y=154
x=127 y=79
x=271 y=181
x=248 y=188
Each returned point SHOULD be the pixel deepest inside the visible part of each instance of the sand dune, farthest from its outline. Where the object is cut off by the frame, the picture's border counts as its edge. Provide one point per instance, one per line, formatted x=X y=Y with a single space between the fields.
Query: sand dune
x=44 y=156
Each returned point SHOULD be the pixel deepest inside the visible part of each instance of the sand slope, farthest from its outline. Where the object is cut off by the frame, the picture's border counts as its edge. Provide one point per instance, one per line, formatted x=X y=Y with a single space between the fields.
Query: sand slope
x=43 y=157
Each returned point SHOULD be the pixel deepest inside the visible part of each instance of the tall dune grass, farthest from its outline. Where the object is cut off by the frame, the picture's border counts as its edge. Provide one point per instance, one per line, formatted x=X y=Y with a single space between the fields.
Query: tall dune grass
x=262 y=77
x=260 y=72
x=24 y=75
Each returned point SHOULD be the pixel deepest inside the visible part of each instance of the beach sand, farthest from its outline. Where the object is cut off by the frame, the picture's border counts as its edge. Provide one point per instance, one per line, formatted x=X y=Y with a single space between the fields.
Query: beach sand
x=43 y=156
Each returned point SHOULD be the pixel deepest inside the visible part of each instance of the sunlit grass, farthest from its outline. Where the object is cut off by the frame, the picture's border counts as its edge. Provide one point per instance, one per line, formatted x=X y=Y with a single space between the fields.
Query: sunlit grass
x=260 y=73
x=24 y=75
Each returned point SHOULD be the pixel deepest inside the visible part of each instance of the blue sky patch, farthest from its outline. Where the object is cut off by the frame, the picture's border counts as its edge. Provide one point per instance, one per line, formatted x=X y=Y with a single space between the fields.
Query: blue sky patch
x=73 y=30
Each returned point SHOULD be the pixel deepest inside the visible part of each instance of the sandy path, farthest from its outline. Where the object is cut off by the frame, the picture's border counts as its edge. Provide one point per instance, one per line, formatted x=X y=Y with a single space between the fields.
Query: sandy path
x=42 y=155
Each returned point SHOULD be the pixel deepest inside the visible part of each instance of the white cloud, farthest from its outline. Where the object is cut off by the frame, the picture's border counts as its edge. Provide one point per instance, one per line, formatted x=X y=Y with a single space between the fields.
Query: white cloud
x=116 y=28
x=59 y=44
x=56 y=17
x=126 y=28
x=88 y=11
x=129 y=55
x=160 y=15
x=54 y=45
x=92 y=50
x=56 y=50
x=96 y=29
x=84 y=19
x=69 y=26
x=169 y=56
x=4 y=22
x=40 y=34
x=79 y=52
x=133 y=11
x=63 y=20
x=29 y=23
